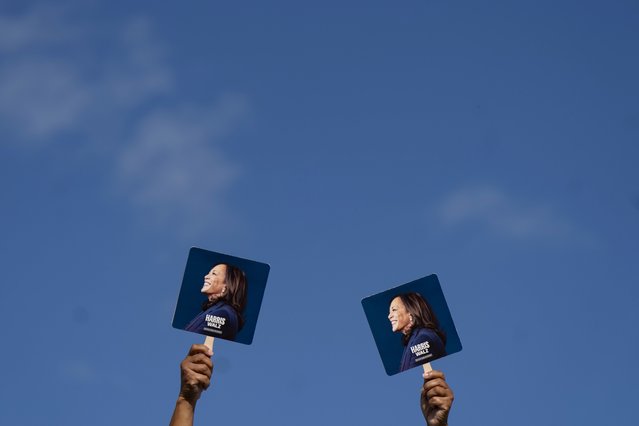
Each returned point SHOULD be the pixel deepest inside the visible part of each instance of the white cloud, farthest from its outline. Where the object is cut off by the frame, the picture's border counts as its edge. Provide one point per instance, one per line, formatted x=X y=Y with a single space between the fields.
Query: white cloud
x=41 y=97
x=49 y=83
x=166 y=162
x=140 y=72
x=172 y=168
x=491 y=208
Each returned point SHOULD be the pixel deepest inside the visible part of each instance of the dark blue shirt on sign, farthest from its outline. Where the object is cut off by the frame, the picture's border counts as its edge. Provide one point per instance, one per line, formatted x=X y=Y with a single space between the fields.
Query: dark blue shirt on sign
x=220 y=320
x=424 y=345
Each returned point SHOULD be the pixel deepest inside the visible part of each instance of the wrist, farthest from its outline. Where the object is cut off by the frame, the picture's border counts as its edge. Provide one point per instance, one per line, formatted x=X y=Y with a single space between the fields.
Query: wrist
x=186 y=401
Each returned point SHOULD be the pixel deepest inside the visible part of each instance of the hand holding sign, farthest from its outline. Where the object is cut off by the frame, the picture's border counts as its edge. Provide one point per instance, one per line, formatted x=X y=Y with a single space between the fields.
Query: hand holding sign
x=220 y=297
x=195 y=377
x=436 y=398
x=195 y=373
x=421 y=330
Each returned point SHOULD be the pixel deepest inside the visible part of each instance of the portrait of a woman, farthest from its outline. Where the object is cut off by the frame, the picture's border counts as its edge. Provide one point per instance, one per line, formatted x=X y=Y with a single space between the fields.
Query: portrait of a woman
x=225 y=289
x=423 y=338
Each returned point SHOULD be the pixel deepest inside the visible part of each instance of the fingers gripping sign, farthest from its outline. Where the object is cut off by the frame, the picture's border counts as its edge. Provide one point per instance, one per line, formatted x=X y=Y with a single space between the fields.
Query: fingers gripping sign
x=436 y=398
x=196 y=370
x=195 y=377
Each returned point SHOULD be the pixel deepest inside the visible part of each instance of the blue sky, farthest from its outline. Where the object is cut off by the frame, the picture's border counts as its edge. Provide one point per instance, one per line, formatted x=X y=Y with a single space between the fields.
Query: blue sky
x=354 y=147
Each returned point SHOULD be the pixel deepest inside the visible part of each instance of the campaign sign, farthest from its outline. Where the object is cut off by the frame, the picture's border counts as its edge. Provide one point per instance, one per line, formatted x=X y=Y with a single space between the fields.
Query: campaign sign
x=411 y=324
x=221 y=295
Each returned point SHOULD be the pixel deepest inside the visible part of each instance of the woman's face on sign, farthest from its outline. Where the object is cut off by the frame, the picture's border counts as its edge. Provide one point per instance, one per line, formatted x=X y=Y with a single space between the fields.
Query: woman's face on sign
x=398 y=316
x=214 y=281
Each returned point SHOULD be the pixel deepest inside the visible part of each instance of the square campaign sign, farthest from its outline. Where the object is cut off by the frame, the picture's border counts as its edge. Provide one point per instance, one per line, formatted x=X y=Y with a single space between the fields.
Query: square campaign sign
x=411 y=324
x=221 y=295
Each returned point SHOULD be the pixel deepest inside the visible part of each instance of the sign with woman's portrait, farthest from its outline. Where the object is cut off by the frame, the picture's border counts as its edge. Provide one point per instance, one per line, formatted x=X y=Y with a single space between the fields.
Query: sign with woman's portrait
x=411 y=324
x=221 y=295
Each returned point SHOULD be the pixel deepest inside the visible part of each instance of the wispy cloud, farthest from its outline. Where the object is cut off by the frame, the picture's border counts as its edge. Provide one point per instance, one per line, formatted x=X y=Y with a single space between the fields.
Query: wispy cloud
x=41 y=26
x=40 y=97
x=172 y=169
x=50 y=82
x=138 y=72
x=40 y=92
x=165 y=161
x=490 y=208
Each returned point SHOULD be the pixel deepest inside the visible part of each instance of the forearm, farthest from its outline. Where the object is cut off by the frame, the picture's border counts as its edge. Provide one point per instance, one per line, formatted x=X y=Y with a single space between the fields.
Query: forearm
x=183 y=413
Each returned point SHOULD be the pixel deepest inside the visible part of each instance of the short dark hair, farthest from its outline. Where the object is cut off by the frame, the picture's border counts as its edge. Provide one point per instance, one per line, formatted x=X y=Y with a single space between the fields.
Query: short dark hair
x=423 y=314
